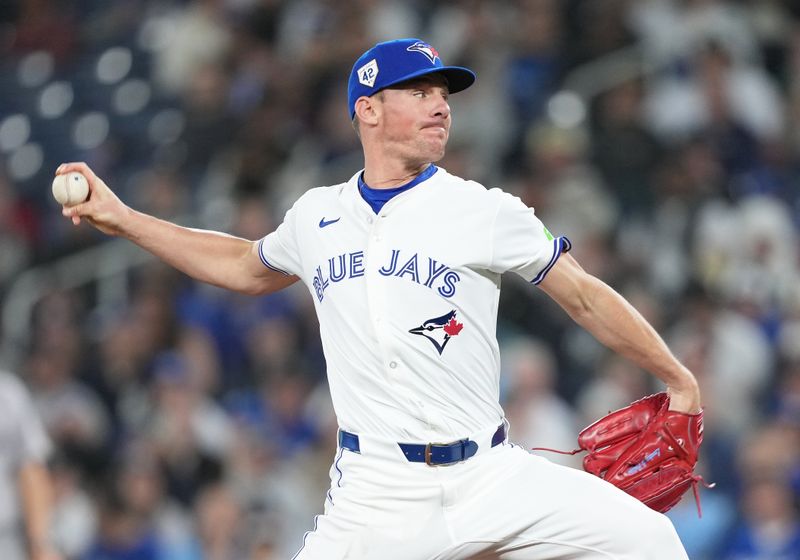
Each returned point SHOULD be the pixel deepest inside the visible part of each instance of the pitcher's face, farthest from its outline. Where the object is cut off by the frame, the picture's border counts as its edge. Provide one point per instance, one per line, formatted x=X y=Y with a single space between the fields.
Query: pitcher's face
x=415 y=119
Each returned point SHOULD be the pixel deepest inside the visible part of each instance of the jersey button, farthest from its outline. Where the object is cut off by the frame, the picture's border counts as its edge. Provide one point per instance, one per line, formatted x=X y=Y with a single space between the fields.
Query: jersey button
x=369 y=220
x=393 y=364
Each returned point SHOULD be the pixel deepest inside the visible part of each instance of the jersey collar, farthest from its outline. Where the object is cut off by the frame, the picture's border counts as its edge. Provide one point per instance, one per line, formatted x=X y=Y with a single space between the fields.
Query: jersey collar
x=426 y=174
x=376 y=198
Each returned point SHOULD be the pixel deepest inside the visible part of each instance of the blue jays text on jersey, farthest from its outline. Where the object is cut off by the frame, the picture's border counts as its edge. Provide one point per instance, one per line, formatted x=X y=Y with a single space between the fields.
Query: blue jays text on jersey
x=407 y=297
x=423 y=270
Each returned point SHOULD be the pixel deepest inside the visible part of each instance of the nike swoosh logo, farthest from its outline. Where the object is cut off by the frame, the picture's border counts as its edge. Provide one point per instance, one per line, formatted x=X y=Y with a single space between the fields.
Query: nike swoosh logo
x=323 y=223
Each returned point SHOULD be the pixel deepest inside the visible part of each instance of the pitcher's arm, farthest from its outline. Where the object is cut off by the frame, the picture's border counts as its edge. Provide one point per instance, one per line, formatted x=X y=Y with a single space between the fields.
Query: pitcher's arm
x=208 y=256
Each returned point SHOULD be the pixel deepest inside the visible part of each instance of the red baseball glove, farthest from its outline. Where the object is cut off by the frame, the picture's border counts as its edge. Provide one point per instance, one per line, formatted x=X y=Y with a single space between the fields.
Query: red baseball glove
x=646 y=450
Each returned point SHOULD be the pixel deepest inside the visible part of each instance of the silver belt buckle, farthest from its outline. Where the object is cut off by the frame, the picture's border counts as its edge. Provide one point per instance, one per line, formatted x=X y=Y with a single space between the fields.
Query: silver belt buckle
x=428 y=454
x=428 y=462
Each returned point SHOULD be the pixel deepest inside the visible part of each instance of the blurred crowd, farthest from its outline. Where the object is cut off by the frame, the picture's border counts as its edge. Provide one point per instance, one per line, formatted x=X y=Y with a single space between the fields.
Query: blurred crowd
x=660 y=136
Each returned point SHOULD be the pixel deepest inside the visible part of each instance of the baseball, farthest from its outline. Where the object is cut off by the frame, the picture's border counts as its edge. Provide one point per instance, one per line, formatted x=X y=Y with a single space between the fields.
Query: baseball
x=70 y=189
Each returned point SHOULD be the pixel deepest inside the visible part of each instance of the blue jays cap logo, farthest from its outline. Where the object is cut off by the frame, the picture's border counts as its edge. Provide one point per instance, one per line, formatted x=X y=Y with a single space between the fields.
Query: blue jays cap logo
x=424 y=48
x=439 y=330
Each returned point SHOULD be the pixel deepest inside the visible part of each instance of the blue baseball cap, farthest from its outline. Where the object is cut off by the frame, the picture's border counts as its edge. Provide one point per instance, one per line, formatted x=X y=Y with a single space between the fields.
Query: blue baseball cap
x=389 y=63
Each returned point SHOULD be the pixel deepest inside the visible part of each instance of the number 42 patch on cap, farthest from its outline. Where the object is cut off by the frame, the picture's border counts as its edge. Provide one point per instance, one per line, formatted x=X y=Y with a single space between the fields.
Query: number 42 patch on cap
x=368 y=73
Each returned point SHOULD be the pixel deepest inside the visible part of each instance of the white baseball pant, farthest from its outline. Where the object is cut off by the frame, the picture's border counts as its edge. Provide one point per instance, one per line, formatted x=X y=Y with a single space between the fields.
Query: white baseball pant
x=503 y=503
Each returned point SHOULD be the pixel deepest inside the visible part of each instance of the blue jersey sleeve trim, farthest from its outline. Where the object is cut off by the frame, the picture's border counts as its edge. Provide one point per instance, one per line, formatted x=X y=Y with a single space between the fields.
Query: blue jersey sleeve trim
x=560 y=245
x=265 y=262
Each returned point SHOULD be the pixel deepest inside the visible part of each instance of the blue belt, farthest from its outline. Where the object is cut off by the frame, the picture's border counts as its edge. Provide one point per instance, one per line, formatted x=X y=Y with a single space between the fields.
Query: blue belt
x=430 y=453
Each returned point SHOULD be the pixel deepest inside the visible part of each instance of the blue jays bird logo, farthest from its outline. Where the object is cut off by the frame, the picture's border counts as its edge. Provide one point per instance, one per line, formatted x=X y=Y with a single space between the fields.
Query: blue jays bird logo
x=425 y=49
x=439 y=330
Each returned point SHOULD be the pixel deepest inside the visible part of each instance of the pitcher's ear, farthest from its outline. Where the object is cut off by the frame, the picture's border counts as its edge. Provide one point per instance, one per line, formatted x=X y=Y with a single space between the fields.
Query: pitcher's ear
x=367 y=109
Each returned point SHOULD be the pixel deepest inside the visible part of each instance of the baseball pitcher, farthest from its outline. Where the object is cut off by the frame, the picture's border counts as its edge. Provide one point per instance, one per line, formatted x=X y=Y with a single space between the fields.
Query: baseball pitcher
x=423 y=467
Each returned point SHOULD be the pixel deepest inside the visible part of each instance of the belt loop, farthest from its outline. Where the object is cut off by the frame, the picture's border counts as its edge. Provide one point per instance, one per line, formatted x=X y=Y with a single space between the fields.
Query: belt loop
x=349 y=441
x=501 y=433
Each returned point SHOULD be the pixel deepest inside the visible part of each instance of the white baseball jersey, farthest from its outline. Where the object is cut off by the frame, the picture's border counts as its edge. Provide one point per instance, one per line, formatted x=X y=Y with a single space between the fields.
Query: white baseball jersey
x=407 y=299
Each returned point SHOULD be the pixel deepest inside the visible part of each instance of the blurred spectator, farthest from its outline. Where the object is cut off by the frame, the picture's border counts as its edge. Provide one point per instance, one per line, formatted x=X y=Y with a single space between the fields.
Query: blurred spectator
x=731 y=357
x=535 y=64
x=140 y=483
x=538 y=416
x=209 y=129
x=161 y=192
x=746 y=253
x=769 y=524
x=26 y=487
x=221 y=525
x=71 y=410
x=598 y=29
x=74 y=514
x=671 y=30
x=474 y=33
x=18 y=232
x=190 y=432
x=196 y=38
x=46 y=25
x=122 y=534
x=770 y=527
x=278 y=495
x=716 y=92
x=616 y=383
x=624 y=150
x=119 y=369
x=575 y=198
x=276 y=412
